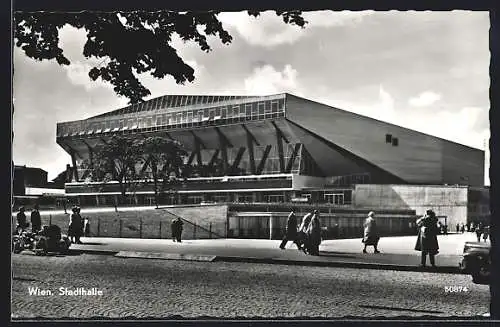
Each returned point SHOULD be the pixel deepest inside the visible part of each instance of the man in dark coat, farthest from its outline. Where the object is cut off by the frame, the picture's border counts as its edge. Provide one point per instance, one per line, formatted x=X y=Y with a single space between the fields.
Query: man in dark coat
x=178 y=228
x=479 y=231
x=21 y=219
x=314 y=234
x=427 y=241
x=36 y=219
x=291 y=231
x=173 y=227
x=75 y=230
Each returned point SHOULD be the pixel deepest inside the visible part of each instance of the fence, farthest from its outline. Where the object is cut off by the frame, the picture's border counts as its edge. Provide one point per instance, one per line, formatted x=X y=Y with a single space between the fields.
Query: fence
x=136 y=227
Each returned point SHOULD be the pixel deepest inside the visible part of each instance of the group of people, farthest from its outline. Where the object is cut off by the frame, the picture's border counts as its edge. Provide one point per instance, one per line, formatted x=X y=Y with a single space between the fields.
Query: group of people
x=307 y=236
x=78 y=226
x=36 y=219
x=483 y=231
x=176 y=228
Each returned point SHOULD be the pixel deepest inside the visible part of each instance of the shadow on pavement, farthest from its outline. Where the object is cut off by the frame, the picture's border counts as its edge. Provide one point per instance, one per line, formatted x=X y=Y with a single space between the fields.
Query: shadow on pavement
x=335 y=254
x=397 y=309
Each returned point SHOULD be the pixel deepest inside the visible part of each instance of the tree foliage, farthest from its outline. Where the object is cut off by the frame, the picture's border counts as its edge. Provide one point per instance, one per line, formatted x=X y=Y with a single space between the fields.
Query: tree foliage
x=130 y=42
x=163 y=159
x=116 y=160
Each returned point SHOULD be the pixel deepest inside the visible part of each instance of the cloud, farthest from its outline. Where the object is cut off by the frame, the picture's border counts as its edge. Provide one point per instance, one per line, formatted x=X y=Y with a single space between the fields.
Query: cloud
x=382 y=109
x=424 y=99
x=328 y=18
x=78 y=74
x=267 y=80
x=269 y=29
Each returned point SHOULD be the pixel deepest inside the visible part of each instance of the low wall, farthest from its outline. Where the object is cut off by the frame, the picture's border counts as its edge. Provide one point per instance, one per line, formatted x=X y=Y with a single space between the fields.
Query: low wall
x=450 y=201
x=200 y=221
x=271 y=225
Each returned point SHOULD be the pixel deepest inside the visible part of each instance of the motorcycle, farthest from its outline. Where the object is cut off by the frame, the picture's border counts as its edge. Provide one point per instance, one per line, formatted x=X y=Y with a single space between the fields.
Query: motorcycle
x=22 y=240
x=50 y=239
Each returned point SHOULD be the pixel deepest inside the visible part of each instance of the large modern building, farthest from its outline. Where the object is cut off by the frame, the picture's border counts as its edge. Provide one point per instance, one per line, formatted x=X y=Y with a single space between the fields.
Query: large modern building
x=275 y=148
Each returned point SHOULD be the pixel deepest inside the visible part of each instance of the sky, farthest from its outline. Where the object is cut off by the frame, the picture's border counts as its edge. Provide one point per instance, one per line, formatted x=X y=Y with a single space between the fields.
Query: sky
x=426 y=71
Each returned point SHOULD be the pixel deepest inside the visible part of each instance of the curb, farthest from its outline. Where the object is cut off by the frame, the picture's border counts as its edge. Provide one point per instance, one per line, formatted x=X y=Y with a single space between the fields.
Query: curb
x=165 y=256
x=339 y=264
x=217 y=258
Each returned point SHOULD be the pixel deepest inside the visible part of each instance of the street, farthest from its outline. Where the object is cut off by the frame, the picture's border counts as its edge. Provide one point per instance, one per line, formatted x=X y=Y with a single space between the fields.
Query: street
x=140 y=288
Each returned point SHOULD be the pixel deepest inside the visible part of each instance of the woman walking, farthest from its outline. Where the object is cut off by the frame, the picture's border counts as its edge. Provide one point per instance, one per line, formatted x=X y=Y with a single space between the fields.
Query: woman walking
x=371 y=236
x=427 y=241
x=302 y=233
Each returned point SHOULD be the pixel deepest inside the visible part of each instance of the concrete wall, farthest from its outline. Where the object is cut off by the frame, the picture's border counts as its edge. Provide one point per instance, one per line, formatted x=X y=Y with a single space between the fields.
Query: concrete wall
x=145 y=222
x=419 y=158
x=450 y=201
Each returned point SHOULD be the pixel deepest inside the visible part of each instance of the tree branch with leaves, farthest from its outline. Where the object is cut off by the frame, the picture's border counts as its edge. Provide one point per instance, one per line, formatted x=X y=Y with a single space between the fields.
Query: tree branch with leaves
x=131 y=43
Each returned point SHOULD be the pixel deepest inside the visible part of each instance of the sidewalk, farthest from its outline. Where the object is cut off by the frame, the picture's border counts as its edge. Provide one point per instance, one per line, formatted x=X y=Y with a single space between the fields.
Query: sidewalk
x=397 y=252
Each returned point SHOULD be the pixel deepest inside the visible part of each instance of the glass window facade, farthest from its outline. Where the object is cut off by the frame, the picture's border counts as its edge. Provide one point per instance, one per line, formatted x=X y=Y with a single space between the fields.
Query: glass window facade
x=224 y=114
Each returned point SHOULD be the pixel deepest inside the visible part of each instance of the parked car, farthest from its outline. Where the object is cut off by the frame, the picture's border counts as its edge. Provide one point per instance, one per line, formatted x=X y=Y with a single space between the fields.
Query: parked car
x=476 y=261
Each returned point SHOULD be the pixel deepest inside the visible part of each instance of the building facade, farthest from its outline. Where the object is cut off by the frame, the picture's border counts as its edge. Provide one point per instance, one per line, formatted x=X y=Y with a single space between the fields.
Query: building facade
x=276 y=148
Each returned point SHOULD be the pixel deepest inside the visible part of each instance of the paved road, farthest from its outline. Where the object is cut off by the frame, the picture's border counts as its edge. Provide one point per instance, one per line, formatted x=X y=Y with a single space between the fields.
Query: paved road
x=162 y=289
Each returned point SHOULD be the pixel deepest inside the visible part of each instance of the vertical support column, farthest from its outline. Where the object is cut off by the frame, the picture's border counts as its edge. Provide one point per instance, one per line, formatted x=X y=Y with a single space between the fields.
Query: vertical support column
x=251 y=156
x=75 y=168
x=281 y=156
x=198 y=152
x=223 y=145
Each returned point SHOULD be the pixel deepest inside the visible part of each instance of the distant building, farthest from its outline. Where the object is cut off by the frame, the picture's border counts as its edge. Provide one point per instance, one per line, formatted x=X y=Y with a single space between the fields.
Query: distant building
x=30 y=186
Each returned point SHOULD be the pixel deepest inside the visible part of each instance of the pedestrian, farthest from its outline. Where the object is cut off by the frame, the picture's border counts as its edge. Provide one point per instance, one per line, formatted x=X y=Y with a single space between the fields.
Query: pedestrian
x=486 y=233
x=458 y=228
x=290 y=231
x=21 y=219
x=302 y=233
x=36 y=220
x=173 y=227
x=462 y=227
x=314 y=234
x=75 y=226
x=371 y=235
x=427 y=241
x=179 y=224
x=479 y=231
x=86 y=227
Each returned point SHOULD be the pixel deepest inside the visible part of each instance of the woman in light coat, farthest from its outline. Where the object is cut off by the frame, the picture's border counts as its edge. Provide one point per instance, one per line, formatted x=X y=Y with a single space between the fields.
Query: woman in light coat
x=302 y=238
x=371 y=235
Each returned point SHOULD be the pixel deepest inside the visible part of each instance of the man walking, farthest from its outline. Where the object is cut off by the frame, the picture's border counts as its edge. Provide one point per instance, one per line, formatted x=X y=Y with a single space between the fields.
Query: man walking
x=36 y=220
x=173 y=228
x=314 y=234
x=291 y=231
x=427 y=241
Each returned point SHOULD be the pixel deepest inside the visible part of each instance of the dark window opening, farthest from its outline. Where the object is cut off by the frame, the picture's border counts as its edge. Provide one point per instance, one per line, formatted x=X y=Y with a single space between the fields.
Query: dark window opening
x=388 y=138
x=395 y=142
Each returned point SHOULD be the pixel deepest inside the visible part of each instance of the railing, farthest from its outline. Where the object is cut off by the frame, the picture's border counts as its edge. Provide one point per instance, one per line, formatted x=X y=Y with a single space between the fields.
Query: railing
x=196 y=226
